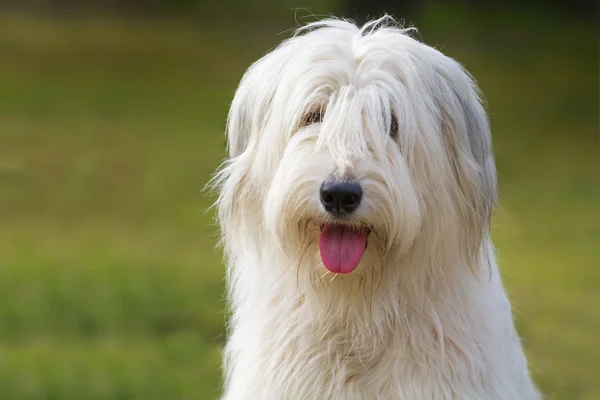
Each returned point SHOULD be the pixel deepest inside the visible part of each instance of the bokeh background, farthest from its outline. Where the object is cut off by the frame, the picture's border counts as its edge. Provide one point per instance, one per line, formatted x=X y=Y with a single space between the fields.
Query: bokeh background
x=112 y=116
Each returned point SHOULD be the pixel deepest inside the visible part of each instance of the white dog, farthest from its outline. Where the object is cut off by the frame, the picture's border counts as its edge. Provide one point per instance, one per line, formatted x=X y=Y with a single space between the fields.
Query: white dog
x=355 y=215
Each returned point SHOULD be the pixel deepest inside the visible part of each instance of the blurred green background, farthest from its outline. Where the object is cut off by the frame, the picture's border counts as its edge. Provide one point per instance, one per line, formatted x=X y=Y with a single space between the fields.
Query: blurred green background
x=111 y=122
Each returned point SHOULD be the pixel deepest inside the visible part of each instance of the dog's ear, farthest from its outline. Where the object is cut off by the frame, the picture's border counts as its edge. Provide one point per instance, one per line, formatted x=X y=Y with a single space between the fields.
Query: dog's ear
x=248 y=114
x=251 y=104
x=468 y=142
x=479 y=143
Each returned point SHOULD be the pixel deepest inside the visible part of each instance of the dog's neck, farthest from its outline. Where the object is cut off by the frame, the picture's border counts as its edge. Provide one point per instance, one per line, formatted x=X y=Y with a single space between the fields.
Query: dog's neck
x=400 y=298
x=407 y=318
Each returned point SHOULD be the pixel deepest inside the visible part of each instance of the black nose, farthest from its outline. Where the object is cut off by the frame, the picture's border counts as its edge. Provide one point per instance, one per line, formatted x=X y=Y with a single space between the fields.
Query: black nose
x=340 y=198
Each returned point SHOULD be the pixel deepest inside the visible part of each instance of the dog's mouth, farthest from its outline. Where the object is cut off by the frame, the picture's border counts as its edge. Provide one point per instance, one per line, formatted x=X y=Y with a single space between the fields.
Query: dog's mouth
x=342 y=246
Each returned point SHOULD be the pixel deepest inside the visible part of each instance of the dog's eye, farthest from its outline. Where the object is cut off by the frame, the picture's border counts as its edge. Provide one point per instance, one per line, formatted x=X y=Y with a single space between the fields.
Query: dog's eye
x=314 y=117
x=394 y=127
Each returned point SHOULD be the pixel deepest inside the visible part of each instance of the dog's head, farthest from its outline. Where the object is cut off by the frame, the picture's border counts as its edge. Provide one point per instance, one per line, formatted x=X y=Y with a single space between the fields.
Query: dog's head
x=344 y=139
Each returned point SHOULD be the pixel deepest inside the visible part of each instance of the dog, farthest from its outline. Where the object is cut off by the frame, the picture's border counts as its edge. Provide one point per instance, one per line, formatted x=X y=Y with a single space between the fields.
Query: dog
x=355 y=209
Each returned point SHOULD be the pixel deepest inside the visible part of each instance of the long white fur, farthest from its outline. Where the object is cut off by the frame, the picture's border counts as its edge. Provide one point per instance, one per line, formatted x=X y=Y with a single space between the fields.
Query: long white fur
x=425 y=315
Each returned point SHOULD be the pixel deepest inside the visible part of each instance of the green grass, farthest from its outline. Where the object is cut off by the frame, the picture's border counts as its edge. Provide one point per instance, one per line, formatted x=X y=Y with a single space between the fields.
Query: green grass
x=109 y=284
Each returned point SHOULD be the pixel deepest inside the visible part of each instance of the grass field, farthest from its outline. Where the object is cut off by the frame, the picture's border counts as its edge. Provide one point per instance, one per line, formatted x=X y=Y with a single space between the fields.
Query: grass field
x=109 y=284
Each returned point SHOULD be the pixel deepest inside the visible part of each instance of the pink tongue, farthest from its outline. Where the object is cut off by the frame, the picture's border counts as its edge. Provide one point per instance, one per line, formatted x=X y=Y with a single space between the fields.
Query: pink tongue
x=341 y=248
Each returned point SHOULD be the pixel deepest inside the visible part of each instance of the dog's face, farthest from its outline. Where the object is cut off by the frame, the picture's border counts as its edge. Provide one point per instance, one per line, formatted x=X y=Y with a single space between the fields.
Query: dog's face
x=359 y=146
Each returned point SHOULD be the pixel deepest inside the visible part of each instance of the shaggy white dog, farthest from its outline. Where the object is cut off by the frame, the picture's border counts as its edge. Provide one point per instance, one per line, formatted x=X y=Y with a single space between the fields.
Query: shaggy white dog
x=355 y=214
